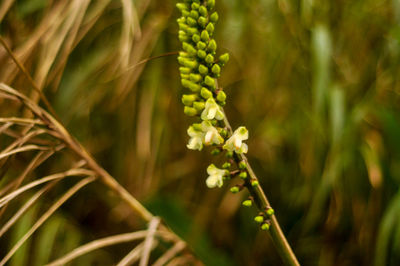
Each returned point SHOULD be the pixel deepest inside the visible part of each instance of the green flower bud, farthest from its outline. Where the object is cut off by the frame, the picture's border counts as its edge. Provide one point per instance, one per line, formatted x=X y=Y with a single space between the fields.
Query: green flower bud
x=183 y=27
x=194 y=14
x=229 y=154
x=205 y=93
x=222 y=103
x=191 y=21
x=210 y=28
x=209 y=81
x=195 y=38
x=189 y=48
x=202 y=21
x=195 y=77
x=242 y=165
x=190 y=85
x=243 y=175
x=203 y=11
x=190 y=63
x=221 y=96
x=185 y=13
x=203 y=69
x=226 y=165
x=188 y=99
x=201 y=54
x=199 y=106
x=201 y=45
x=210 y=4
x=254 y=183
x=183 y=54
x=204 y=35
x=214 y=17
x=197 y=126
x=191 y=31
x=182 y=7
x=216 y=69
x=223 y=59
x=195 y=6
x=181 y=20
x=265 y=226
x=223 y=133
x=259 y=219
x=185 y=76
x=212 y=45
x=184 y=70
x=270 y=212
x=190 y=111
x=247 y=203
x=209 y=59
x=215 y=151
x=183 y=38
x=234 y=189
x=214 y=122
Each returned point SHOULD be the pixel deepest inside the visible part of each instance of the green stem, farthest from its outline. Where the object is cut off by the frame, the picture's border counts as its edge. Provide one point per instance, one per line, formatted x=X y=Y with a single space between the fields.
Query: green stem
x=262 y=203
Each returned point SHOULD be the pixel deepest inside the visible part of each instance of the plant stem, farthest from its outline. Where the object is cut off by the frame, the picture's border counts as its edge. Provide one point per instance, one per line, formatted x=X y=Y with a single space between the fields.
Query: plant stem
x=278 y=238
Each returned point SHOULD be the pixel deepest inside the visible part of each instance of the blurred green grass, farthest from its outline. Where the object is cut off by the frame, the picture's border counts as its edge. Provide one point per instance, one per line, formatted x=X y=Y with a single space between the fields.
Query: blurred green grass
x=315 y=82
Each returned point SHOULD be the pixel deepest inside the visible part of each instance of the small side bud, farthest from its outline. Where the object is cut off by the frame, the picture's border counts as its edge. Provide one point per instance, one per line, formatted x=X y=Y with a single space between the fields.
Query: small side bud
x=223 y=59
x=235 y=190
x=188 y=99
x=247 y=203
x=270 y=212
x=205 y=93
x=209 y=81
x=221 y=96
x=190 y=111
x=201 y=45
x=199 y=106
x=201 y=54
x=209 y=59
x=202 y=21
x=212 y=46
x=242 y=165
x=254 y=183
x=214 y=17
x=229 y=154
x=203 y=69
x=259 y=219
x=196 y=38
x=243 y=175
x=265 y=226
x=210 y=28
x=191 y=21
x=203 y=11
x=215 y=151
x=204 y=35
x=216 y=69
x=226 y=165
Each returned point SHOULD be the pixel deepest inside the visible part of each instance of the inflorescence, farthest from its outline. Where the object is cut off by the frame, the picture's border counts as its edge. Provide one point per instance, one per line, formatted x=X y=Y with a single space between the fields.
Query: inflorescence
x=199 y=69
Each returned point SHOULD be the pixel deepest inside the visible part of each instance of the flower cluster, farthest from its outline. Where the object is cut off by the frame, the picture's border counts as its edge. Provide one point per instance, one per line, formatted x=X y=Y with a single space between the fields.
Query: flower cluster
x=199 y=69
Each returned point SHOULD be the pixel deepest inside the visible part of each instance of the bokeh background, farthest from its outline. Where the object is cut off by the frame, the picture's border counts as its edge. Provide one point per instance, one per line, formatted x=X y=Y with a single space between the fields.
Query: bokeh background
x=315 y=82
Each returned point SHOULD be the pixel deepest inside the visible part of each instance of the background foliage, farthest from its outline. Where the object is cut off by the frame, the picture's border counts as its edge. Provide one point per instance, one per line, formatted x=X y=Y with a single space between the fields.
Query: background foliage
x=315 y=82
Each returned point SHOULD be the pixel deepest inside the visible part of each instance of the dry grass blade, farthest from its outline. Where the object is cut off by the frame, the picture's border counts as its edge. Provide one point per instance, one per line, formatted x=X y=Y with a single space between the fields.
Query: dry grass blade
x=71 y=172
x=23 y=139
x=128 y=30
x=134 y=255
x=20 y=121
x=46 y=215
x=25 y=207
x=148 y=242
x=170 y=254
x=4 y=8
x=22 y=149
x=97 y=244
